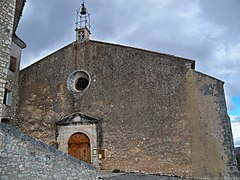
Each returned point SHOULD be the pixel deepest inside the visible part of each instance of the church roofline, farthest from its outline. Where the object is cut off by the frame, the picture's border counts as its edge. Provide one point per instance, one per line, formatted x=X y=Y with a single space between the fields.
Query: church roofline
x=40 y=60
x=117 y=45
x=145 y=50
x=206 y=75
x=124 y=46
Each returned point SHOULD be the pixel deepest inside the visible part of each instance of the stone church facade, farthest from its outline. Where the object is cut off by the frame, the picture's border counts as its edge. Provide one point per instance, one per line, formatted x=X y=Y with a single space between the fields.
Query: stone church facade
x=114 y=107
x=124 y=108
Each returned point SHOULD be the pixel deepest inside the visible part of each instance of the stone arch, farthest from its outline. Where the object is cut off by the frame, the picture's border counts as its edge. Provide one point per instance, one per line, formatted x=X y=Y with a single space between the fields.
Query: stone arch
x=78 y=123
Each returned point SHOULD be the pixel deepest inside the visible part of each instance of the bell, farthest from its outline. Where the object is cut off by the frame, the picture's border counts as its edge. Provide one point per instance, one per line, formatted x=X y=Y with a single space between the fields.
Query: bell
x=83 y=10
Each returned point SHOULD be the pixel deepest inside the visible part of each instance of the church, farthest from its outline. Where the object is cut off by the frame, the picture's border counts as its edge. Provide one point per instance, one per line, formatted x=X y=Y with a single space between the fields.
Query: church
x=128 y=109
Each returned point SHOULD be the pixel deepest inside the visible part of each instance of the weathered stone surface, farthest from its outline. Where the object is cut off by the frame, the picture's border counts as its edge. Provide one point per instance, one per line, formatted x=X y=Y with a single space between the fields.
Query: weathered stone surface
x=75 y=123
x=7 y=12
x=211 y=136
x=10 y=46
x=9 y=112
x=23 y=157
x=158 y=114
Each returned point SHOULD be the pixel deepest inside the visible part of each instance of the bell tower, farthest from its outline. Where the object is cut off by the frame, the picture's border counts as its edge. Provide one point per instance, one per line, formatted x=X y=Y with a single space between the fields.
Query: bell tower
x=82 y=24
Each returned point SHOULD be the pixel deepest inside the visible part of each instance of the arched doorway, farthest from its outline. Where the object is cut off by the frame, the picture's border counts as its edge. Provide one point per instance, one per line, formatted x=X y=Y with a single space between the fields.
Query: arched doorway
x=79 y=147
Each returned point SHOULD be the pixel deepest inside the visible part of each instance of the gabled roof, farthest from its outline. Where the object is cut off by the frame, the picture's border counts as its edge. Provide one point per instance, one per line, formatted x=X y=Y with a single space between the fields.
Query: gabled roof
x=77 y=118
x=186 y=61
x=145 y=50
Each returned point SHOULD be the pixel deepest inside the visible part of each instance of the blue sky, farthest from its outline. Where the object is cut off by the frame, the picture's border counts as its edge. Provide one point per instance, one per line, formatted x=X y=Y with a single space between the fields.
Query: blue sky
x=206 y=31
x=235 y=117
x=236 y=109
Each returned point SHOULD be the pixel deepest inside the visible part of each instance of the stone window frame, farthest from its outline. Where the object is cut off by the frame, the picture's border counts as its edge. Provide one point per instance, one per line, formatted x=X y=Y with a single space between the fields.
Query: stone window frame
x=7 y=99
x=74 y=77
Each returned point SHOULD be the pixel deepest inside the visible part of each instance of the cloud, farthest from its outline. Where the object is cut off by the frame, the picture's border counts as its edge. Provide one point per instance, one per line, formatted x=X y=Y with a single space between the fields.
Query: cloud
x=45 y=27
x=224 y=64
x=235 y=119
x=223 y=59
x=215 y=12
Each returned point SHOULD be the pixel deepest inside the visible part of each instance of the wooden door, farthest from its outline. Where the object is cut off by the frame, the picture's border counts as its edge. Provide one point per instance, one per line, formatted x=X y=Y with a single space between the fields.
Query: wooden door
x=79 y=147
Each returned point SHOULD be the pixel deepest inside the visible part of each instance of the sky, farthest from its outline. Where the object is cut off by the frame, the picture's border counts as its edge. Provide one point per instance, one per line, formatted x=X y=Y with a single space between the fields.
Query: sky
x=207 y=31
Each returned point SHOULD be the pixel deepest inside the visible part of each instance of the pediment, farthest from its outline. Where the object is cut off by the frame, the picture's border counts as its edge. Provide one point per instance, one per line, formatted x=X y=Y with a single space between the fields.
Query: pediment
x=77 y=118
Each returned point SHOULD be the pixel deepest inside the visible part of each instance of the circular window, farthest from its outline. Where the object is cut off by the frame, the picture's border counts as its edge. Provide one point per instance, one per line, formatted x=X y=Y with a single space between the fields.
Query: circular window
x=81 y=83
x=78 y=81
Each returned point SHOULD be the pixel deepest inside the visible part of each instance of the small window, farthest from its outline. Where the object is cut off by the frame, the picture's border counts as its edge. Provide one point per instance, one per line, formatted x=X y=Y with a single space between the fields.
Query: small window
x=13 y=64
x=7 y=100
x=81 y=35
x=193 y=66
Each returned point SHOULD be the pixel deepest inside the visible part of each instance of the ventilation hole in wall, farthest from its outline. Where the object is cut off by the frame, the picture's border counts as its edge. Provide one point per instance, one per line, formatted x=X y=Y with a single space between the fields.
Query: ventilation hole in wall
x=5 y=121
x=81 y=83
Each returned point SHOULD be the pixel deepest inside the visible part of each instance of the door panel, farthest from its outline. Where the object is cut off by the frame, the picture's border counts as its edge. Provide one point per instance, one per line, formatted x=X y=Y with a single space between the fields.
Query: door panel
x=79 y=147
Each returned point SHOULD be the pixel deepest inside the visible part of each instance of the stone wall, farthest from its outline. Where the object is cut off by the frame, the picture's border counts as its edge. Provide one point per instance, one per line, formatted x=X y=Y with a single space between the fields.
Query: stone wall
x=139 y=95
x=211 y=139
x=7 y=12
x=154 y=114
x=22 y=157
x=9 y=111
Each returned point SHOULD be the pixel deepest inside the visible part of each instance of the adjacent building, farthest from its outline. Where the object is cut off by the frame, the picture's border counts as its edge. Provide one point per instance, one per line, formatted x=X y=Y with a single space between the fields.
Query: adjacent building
x=10 y=54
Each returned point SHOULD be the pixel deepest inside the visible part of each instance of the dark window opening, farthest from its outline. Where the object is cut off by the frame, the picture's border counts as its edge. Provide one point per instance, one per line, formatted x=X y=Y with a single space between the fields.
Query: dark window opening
x=5 y=120
x=82 y=35
x=13 y=64
x=81 y=83
x=193 y=66
x=7 y=99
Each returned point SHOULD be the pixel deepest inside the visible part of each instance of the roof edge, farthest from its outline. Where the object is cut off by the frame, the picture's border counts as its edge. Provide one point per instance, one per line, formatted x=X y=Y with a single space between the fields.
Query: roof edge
x=18 y=13
x=38 y=61
x=141 y=49
x=206 y=75
x=19 y=41
x=118 y=45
